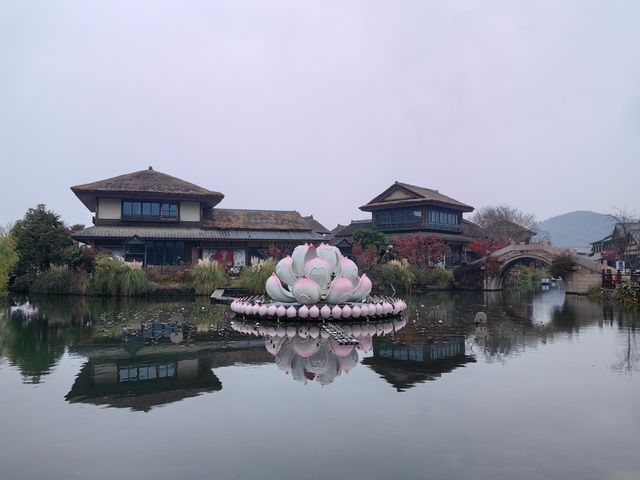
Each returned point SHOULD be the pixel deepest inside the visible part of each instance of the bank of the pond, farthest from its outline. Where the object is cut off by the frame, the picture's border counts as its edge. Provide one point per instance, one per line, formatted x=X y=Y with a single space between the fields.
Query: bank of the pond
x=624 y=294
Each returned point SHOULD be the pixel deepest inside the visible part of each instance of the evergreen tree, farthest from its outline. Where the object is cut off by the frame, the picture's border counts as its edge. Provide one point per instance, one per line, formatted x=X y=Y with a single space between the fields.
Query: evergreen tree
x=41 y=239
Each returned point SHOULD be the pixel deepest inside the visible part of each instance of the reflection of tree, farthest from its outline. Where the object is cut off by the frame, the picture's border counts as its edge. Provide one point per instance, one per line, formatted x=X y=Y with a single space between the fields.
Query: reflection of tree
x=34 y=333
x=629 y=352
x=35 y=345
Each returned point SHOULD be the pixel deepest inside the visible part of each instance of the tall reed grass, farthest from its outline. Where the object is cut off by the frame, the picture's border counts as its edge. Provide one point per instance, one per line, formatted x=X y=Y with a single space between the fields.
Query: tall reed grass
x=253 y=278
x=207 y=276
x=54 y=281
x=118 y=278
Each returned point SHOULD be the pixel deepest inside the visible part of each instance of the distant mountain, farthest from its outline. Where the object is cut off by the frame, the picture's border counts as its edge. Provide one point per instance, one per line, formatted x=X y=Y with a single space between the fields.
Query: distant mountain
x=577 y=229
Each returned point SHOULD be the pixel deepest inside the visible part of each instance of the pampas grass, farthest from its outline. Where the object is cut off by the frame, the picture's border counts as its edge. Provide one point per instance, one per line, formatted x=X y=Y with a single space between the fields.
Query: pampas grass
x=56 y=280
x=254 y=277
x=208 y=276
x=119 y=278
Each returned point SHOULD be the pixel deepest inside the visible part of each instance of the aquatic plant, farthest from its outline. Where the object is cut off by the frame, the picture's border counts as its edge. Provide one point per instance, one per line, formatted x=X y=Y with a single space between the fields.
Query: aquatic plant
x=207 y=276
x=54 y=281
x=254 y=277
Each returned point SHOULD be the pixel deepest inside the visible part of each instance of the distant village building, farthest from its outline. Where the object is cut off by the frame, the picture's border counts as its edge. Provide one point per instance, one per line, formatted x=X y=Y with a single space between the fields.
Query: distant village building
x=404 y=209
x=624 y=240
x=157 y=219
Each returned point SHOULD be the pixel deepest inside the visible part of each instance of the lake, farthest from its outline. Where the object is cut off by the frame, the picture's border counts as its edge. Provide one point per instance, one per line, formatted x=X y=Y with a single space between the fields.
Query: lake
x=547 y=388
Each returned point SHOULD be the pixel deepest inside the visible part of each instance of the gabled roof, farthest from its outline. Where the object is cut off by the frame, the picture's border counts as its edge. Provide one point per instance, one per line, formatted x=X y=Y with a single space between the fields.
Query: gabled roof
x=316 y=226
x=236 y=219
x=349 y=230
x=404 y=194
x=145 y=183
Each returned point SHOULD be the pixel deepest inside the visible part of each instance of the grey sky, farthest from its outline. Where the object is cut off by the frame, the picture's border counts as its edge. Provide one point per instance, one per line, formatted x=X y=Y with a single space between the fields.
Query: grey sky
x=319 y=106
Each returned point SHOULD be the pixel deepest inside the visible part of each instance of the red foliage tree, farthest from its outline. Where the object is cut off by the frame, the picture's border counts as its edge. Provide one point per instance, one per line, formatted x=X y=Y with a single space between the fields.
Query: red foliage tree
x=482 y=248
x=420 y=250
x=365 y=258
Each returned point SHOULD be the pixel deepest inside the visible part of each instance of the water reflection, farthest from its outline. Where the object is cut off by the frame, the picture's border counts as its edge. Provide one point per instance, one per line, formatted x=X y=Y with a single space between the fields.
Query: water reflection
x=406 y=361
x=315 y=352
x=440 y=336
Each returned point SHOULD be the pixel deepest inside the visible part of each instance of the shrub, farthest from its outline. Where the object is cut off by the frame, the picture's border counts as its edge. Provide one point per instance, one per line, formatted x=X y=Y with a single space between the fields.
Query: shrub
x=56 y=280
x=253 y=278
x=395 y=275
x=627 y=294
x=562 y=265
x=432 y=277
x=443 y=277
x=370 y=238
x=469 y=276
x=208 y=275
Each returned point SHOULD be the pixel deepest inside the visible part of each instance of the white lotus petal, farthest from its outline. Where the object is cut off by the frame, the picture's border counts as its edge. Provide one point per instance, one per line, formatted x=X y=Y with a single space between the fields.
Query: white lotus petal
x=276 y=291
x=284 y=270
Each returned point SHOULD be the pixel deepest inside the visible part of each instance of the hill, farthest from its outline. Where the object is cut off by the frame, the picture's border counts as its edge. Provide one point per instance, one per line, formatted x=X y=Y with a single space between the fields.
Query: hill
x=577 y=229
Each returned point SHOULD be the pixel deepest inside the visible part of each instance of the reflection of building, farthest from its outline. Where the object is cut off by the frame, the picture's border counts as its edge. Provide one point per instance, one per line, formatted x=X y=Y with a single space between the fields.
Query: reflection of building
x=157 y=375
x=404 y=365
x=158 y=219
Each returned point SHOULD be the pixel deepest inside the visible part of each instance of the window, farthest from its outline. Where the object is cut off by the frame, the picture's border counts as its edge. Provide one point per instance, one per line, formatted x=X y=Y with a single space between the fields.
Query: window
x=138 y=210
x=166 y=253
x=399 y=219
x=442 y=220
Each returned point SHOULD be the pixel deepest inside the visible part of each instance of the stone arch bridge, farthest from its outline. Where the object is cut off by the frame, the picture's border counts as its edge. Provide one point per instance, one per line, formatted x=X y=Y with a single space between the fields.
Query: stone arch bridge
x=586 y=272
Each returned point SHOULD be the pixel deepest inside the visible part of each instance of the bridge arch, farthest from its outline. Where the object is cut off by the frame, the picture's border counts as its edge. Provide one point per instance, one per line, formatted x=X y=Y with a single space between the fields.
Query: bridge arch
x=586 y=272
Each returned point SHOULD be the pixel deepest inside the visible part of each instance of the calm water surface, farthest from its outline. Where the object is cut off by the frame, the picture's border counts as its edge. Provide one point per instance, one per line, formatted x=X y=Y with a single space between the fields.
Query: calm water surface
x=549 y=388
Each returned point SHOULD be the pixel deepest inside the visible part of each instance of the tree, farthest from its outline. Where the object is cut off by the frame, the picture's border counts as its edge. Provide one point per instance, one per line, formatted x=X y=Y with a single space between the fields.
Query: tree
x=504 y=223
x=41 y=239
x=8 y=259
x=486 y=246
x=367 y=238
x=420 y=250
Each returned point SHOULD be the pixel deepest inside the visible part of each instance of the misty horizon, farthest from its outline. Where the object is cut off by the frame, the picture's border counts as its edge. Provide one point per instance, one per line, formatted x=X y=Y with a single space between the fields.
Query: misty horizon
x=319 y=108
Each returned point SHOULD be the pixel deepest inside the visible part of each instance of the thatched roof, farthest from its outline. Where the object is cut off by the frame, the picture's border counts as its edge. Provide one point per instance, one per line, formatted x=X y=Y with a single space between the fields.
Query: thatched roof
x=403 y=194
x=316 y=226
x=237 y=219
x=349 y=230
x=147 y=184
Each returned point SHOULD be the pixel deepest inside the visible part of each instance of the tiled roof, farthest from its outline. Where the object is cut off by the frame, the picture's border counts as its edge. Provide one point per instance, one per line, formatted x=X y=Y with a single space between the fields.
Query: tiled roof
x=179 y=233
x=417 y=195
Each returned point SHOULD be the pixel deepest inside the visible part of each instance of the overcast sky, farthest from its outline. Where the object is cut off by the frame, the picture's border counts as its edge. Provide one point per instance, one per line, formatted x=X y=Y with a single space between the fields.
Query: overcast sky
x=319 y=106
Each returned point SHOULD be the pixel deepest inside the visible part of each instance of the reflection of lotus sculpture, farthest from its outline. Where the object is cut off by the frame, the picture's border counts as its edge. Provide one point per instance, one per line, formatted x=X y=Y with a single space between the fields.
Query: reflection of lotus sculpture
x=318 y=283
x=318 y=353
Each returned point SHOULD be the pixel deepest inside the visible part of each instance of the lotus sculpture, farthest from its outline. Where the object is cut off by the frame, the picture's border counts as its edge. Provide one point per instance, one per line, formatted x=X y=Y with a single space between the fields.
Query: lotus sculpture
x=318 y=283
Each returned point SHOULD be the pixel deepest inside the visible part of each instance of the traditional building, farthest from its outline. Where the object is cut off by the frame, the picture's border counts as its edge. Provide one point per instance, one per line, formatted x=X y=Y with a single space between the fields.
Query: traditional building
x=157 y=219
x=407 y=209
x=623 y=243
